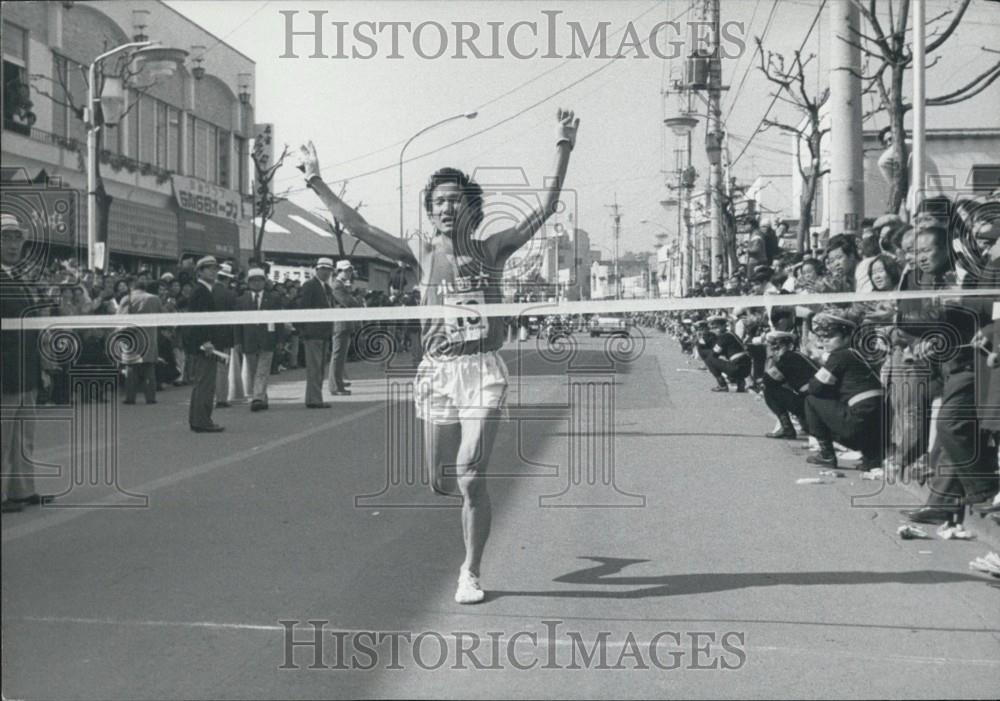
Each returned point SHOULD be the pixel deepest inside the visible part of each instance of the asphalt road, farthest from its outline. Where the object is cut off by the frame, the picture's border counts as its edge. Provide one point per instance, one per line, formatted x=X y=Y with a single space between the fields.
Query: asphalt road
x=637 y=517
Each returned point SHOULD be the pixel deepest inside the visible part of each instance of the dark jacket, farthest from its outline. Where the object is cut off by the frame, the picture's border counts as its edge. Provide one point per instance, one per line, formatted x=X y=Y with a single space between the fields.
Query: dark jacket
x=255 y=338
x=315 y=295
x=21 y=368
x=202 y=300
x=343 y=299
x=225 y=301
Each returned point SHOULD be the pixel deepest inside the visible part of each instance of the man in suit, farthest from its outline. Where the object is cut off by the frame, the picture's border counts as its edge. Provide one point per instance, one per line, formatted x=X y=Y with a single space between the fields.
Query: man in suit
x=21 y=375
x=258 y=341
x=225 y=301
x=199 y=344
x=316 y=294
x=142 y=358
x=342 y=330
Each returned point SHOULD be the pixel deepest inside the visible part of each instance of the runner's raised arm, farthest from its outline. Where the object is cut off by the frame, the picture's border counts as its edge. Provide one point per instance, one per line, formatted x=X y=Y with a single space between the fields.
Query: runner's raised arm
x=357 y=225
x=514 y=238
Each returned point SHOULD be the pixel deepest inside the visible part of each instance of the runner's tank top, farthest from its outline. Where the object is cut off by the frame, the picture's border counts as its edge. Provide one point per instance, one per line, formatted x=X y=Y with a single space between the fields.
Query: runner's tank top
x=469 y=277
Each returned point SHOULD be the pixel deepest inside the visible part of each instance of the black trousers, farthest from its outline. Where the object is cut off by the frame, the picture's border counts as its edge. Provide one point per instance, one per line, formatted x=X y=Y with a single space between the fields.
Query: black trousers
x=758 y=354
x=737 y=371
x=967 y=468
x=203 y=369
x=859 y=427
x=782 y=400
x=141 y=375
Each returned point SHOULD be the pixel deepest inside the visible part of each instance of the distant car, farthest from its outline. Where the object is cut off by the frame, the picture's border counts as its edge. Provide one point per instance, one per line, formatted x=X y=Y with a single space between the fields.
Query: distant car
x=608 y=325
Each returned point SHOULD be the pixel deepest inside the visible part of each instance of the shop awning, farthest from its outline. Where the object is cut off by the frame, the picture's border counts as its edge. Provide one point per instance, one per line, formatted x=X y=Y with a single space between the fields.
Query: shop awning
x=202 y=235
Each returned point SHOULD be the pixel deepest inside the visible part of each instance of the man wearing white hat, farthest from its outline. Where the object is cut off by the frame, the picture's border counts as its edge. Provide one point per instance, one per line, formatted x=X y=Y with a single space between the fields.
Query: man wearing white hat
x=316 y=336
x=257 y=341
x=342 y=330
x=228 y=385
x=21 y=374
x=199 y=344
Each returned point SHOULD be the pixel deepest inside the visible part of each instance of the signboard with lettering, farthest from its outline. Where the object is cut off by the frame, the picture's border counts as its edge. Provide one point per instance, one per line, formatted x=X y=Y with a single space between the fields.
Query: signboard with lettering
x=204 y=198
x=263 y=144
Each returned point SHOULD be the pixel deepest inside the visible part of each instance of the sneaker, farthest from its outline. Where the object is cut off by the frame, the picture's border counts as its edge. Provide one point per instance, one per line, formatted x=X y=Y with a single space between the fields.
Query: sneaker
x=954 y=532
x=469 y=591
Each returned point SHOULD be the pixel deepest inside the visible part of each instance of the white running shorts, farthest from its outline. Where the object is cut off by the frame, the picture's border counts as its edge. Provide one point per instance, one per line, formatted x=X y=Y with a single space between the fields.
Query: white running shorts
x=447 y=389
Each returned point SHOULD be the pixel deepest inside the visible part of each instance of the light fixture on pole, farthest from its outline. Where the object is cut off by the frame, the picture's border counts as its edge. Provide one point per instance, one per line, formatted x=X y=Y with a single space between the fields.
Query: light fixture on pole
x=244 y=80
x=148 y=60
x=140 y=20
x=464 y=115
x=198 y=56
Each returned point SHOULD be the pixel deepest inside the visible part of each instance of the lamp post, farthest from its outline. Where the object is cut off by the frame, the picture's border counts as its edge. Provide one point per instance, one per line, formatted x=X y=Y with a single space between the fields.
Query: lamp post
x=402 y=151
x=161 y=61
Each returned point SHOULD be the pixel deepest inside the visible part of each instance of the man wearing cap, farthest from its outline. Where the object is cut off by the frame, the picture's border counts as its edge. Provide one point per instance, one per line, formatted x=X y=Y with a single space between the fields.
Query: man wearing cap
x=786 y=381
x=342 y=330
x=227 y=379
x=845 y=396
x=21 y=371
x=199 y=344
x=728 y=358
x=257 y=342
x=316 y=294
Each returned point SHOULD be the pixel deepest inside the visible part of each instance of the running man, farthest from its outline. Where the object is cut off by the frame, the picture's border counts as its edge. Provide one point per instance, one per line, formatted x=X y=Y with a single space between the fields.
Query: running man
x=462 y=381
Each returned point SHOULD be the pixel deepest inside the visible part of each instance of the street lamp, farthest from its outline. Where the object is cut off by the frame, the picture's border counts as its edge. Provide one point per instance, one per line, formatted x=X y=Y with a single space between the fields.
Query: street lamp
x=464 y=115
x=157 y=61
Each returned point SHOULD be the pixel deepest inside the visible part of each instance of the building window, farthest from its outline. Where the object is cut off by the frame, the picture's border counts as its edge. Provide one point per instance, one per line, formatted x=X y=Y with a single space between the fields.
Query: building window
x=161 y=134
x=173 y=139
x=240 y=155
x=17 y=113
x=222 y=178
x=201 y=150
x=189 y=139
x=147 y=129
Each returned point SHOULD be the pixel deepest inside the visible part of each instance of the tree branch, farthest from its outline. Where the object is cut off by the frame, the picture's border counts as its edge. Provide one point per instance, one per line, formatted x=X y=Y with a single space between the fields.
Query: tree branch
x=957 y=96
x=951 y=27
x=984 y=76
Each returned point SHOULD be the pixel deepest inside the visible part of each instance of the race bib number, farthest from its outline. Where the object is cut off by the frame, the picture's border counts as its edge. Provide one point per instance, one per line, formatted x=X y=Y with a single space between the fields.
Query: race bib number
x=474 y=327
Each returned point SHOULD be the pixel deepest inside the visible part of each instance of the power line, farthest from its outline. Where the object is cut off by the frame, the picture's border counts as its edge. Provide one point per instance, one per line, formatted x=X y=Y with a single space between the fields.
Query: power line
x=746 y=72
x=778 y=92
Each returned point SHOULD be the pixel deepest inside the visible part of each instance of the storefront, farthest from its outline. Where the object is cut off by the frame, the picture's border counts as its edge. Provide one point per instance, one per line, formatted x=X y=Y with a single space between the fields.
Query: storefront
x=207 y=218
x=142 y=236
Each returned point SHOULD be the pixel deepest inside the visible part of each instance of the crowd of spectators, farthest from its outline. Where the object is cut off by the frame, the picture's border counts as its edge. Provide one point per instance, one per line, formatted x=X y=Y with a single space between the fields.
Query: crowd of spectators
x=912 y=384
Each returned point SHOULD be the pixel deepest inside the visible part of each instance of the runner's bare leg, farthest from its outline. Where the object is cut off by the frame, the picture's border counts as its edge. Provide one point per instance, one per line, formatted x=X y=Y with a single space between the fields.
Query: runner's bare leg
x=478 y=435
x=441 y=443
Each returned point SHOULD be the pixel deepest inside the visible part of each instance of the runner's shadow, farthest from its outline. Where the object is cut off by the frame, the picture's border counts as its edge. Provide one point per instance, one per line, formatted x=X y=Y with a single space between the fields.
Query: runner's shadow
x=643 y=587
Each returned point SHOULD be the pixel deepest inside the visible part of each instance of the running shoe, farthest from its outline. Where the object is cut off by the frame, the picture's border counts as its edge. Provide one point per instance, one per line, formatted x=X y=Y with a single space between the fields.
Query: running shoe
x=469 y=591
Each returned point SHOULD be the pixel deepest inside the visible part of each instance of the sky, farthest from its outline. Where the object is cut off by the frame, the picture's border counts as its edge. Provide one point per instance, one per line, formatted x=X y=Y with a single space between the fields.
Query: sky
x=360 y=111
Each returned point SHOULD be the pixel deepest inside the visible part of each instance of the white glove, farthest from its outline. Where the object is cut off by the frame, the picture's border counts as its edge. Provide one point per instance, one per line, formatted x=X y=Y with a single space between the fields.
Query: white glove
x=308 y=161
x=567 y=128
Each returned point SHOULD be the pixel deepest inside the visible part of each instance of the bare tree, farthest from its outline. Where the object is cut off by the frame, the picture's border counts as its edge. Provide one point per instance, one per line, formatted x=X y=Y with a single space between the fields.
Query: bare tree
x=790 y=80
x=885 y=43
x=264 y=197
x=122 y=68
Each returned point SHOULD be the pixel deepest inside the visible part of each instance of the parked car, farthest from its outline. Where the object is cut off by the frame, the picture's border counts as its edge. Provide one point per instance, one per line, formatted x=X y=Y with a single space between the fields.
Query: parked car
x=606 y=324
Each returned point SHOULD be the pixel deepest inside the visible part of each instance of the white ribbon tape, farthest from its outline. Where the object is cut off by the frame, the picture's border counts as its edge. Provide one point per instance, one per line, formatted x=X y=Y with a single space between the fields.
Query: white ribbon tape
x=298 y=316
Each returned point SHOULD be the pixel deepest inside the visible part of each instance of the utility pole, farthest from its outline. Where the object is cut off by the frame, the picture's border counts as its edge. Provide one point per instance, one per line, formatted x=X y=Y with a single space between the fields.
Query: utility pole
x=847 y=185
x=713 y=144
x=918 y=177
x=617 y=219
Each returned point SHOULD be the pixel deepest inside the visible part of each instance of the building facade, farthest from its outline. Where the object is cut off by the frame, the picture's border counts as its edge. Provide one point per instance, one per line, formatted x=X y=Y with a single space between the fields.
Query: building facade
x=176 y=163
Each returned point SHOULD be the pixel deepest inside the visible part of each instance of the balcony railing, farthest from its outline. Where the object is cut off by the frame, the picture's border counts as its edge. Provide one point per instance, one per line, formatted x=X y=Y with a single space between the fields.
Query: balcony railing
x=117 y=161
